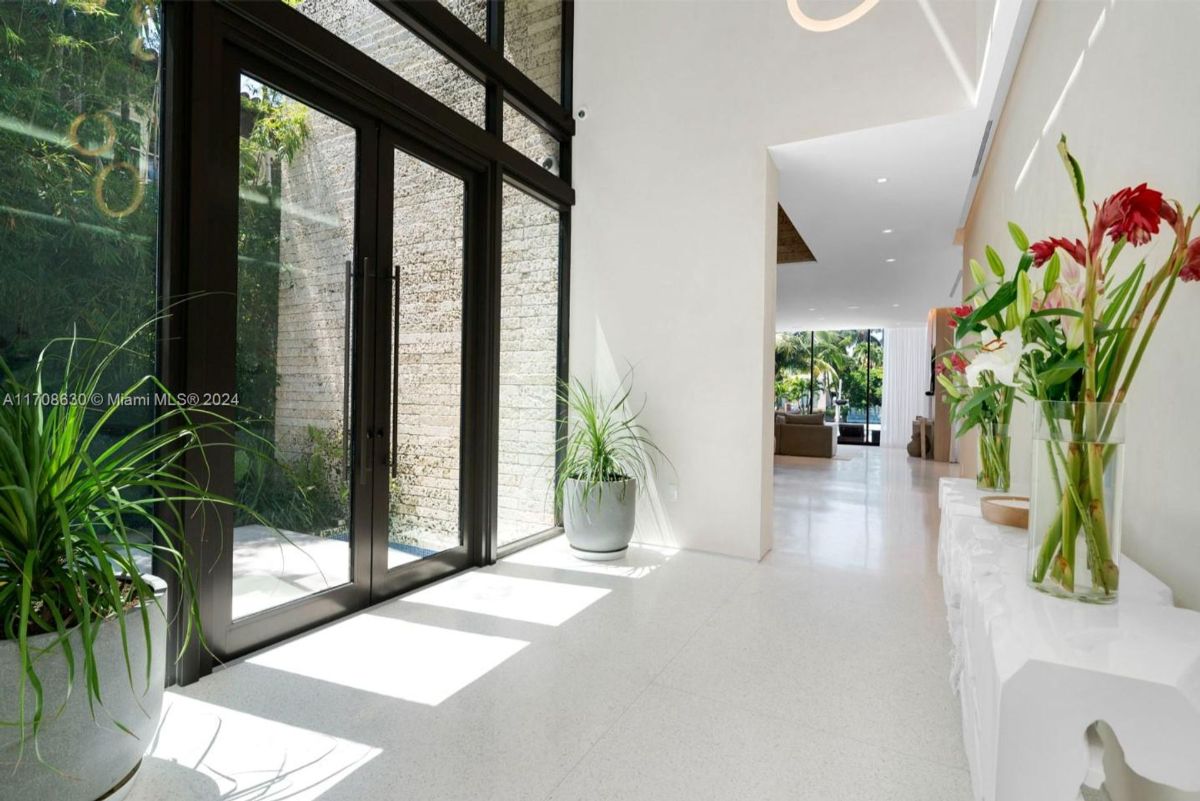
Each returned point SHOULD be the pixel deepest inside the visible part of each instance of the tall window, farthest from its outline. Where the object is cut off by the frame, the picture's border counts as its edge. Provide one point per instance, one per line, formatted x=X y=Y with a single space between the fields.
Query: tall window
x=837 y=373
x=528 y=366
x=533 y=43
x=362 y=24
x=79 y=170
x=354 y=330
x=295 y=238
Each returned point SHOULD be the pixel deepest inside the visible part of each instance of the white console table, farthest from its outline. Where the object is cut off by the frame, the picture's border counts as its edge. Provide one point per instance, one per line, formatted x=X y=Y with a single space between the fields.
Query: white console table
x=1034 y=672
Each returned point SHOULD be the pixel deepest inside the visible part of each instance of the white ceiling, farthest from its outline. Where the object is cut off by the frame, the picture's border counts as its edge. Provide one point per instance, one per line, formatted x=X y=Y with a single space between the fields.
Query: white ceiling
x=829 y=188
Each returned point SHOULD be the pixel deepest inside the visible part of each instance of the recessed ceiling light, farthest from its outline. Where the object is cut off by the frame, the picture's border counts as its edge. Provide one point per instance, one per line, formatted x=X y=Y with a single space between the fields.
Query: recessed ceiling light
x=881 y=180
x=887 y=230
x=889 y=261
x=851 y=307
x=895 y=305
x=812 y=309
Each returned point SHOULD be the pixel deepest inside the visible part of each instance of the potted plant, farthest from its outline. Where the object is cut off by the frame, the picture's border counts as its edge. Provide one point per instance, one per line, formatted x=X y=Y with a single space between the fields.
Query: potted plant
x=607 y=456
x=83 y=511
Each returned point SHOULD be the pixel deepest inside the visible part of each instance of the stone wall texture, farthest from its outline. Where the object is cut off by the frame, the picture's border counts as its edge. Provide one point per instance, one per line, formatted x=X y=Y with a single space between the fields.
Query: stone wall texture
x=428 y=259
x=528 y=365
x=533 y=43
x=316 y=239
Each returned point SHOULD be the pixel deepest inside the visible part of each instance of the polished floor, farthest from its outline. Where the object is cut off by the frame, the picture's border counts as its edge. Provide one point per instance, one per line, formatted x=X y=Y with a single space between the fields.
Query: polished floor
x=819 y=673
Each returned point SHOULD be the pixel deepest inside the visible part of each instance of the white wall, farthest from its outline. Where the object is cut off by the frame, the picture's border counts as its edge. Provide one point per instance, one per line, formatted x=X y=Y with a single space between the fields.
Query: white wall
x=672 y=265
x=1131 y=114
x=1130 y=111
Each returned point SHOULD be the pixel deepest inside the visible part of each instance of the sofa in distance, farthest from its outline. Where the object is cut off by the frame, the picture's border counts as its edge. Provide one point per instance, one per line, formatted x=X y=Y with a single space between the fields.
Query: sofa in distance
x=804 y=435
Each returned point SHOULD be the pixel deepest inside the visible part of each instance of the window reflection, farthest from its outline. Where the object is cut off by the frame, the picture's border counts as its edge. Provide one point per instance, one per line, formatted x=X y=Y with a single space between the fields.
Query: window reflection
x=79 y=172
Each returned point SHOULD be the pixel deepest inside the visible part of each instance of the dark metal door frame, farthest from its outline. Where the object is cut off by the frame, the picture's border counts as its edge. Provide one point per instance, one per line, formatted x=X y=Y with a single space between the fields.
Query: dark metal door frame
x=207 y=46
x=209 y=331
x=473 y=443
x=228 y=638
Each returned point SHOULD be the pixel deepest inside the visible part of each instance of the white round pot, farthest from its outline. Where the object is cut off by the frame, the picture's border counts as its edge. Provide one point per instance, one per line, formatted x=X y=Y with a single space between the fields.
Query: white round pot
x=599 y=527
x=85 y=759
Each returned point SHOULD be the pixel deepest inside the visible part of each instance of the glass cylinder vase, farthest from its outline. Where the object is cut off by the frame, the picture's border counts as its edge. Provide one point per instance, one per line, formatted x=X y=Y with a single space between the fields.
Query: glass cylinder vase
x=1075 y=504
x=994 y=445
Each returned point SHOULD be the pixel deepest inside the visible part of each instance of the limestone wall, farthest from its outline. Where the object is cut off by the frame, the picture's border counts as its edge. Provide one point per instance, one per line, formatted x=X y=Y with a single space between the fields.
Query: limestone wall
x=528 y=359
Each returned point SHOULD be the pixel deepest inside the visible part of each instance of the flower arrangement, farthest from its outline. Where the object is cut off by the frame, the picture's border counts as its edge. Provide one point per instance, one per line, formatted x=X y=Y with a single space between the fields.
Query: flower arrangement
x=1073 y=327
x=980 y=389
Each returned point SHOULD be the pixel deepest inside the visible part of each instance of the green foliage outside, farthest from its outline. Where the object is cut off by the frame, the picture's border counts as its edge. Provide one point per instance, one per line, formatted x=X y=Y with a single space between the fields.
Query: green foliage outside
x=79 y=216
x=276 y=130
x=308 y=493
x=78 y=179
x=792 y=387
x=827 y=365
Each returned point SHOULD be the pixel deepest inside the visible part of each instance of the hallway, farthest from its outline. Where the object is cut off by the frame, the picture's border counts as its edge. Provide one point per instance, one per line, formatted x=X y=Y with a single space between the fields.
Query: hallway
x=819 y=673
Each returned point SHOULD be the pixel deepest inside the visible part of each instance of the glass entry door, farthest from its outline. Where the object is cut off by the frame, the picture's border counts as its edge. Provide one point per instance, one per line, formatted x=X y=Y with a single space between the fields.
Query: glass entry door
x=424 y=202
x=351 y=315
x=295 y=551
x=297 y=211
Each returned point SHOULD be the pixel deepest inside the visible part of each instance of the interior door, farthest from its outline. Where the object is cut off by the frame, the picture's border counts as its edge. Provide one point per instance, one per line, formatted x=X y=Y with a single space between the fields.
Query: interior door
x=424 y=451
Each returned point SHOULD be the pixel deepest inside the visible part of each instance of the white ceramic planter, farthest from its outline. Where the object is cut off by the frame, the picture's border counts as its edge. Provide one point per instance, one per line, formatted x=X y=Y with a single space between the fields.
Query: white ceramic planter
x=84 y=759
x=599 y=529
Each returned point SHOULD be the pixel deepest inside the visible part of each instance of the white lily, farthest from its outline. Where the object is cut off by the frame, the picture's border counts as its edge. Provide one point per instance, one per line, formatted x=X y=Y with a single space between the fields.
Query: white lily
x=999 y=355
x=1068 y=295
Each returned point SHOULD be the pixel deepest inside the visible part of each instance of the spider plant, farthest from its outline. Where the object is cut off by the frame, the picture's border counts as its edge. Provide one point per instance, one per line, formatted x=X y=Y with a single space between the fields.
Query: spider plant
x=79 y=505
x=604 y=442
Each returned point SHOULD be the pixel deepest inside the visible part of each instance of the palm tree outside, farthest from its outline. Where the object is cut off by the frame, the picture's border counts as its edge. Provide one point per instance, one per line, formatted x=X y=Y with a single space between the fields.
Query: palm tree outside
x=839 y=373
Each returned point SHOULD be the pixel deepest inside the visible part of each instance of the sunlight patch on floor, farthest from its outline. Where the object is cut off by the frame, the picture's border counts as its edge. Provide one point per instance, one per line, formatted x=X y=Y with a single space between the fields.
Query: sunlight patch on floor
x=238 y=755
x=550 y=603
x=396 y=658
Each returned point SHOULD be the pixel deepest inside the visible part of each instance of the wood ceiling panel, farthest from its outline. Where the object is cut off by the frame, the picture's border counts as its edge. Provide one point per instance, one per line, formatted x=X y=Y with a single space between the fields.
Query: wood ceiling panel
x=790 y=246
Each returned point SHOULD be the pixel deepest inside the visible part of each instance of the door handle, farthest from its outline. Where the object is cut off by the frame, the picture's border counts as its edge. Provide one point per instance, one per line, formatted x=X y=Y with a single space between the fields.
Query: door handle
x=364 y=456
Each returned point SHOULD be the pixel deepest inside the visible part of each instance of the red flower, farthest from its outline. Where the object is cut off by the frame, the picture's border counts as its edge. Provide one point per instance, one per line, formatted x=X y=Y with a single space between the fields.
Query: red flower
x=1168 y=213
x=1191 y=262
x=959 y=313
x=1132 y=213
x=1044 y=250
x=957 y=362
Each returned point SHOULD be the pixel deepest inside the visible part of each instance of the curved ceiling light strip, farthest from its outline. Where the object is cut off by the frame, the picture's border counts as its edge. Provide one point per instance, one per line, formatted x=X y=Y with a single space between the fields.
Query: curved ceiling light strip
x=826 y=25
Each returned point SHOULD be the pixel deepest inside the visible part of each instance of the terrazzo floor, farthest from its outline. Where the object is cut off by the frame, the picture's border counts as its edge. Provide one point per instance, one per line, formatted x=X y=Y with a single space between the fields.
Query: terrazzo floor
x=818 y=673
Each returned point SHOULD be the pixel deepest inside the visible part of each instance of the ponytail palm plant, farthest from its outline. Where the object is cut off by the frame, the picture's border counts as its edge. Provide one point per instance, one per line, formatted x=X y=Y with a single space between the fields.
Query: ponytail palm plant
x=82 y=512
x=604 y=442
